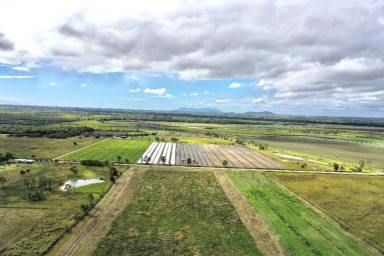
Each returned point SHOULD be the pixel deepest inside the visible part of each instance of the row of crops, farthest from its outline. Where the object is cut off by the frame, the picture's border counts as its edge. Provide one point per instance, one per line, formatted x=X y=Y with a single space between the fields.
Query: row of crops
x=205 y=155
x=115 y=150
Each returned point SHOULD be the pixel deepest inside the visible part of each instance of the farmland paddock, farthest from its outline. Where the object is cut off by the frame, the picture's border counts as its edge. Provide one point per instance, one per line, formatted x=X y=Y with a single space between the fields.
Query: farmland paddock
x=206 y=155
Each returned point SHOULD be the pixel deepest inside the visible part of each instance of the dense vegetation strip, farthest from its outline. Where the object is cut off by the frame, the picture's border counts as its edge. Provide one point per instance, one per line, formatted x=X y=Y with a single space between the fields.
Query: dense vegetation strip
x=301 y=230
x=178 y=213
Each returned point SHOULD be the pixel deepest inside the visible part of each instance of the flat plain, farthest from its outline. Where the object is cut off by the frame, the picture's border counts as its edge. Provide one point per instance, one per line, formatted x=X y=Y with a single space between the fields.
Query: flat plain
x=43 y=148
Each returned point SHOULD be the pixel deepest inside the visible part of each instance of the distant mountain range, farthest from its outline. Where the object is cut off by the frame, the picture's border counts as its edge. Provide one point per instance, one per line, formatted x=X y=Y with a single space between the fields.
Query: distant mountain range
x=218 y=111
x=198 y=110
x=261 y=113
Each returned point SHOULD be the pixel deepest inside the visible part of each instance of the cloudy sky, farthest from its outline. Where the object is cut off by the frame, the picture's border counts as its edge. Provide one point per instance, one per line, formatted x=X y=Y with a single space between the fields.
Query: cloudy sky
x=287 y=56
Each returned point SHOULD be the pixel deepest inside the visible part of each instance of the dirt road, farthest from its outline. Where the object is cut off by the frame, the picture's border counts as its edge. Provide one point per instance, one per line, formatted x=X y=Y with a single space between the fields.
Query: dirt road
x=266 y=241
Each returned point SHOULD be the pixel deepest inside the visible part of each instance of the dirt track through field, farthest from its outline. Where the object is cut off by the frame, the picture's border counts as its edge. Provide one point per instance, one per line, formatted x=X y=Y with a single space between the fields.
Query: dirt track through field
x=265 y=239
x=80 y=149
x=84 y=238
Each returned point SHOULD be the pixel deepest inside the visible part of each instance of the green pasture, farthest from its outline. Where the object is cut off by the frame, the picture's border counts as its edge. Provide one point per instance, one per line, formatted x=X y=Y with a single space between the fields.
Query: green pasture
x=300 y=229
x=178 y=213
x=372 y=155
x=42 y=148
x=354 y=201
x=129 y=150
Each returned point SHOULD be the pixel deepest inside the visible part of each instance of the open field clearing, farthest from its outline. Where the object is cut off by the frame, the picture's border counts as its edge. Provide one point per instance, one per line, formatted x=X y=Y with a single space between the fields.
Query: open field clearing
x=178 y=213
x=300 y=229
x=332 y=149
x=206 y=155
x=44 y=148
x=35 y=213
x=129 y=150
x=15 y=222
x=356 y=202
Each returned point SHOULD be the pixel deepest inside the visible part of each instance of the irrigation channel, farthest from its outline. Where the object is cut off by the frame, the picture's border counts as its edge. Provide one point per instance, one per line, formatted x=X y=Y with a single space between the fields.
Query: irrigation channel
x=165 y=153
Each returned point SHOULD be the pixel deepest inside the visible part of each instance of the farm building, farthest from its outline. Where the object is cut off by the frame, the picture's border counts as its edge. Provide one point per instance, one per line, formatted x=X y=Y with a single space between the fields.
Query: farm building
x=24 y=161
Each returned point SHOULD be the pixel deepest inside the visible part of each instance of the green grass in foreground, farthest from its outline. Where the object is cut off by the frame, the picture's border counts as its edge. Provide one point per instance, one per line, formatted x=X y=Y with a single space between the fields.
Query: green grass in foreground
x=356 y=202
x=110 y=150
x=178 y=213
x=301 y=230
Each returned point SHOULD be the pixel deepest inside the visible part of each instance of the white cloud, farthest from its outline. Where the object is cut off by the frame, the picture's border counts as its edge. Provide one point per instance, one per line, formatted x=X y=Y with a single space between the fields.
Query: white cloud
x=206 y=92
x=156 y=91
x=16 y=77
x=136 y=90
x=83 y=85
x=290 y=46
x=20 y=68
x=234 y=85
x=194 y=94
x=223 y=101
x=52 y=84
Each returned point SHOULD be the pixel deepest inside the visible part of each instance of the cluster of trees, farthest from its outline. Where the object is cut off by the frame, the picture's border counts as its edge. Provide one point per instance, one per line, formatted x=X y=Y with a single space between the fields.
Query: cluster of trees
x=339 y=167
x=51 y=132
x=113 y=174
x=6 y=157
x=94 y=163
x=35 y=188
x=89 y=205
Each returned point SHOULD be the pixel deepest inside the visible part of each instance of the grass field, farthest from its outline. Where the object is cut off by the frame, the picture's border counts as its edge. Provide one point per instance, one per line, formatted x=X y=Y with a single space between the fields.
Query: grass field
x=45 y=148
x=206 y=140
x=109 y=150
x=357 y=202
x=301 y=230
x=178 y=213
x=31 y=227
x=337 y=150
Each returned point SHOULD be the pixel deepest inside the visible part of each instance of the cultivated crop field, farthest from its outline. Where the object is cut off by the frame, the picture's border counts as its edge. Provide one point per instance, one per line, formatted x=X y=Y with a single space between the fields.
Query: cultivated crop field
x=42 y=148
x=206 y=155
x=178 y=213
x=111 y=149
x=357 y=202
x=300 y=229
